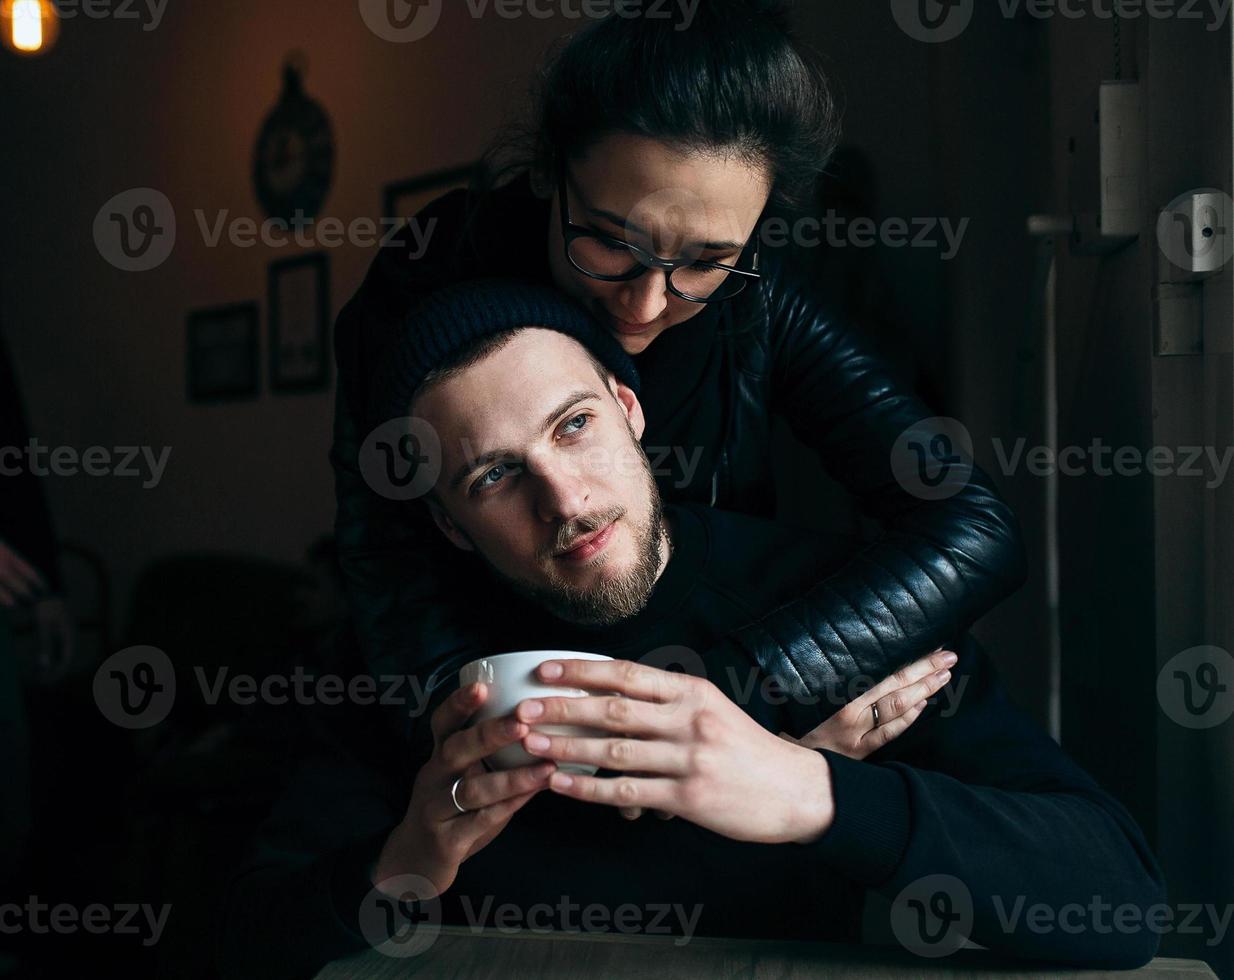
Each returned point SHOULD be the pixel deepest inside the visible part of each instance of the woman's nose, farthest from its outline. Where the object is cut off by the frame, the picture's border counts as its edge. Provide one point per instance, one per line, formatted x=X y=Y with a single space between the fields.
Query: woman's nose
x=645 y=298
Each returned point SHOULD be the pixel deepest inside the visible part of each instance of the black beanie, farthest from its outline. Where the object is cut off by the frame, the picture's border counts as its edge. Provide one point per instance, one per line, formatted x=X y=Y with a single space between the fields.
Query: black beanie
x=455 y=316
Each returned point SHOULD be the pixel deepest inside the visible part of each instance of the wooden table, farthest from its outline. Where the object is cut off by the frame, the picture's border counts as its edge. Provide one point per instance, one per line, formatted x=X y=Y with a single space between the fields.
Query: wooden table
x=463 y=952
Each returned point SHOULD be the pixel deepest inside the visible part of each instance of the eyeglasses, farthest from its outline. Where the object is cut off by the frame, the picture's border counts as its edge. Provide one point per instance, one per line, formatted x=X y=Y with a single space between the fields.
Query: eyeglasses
x=612 y=259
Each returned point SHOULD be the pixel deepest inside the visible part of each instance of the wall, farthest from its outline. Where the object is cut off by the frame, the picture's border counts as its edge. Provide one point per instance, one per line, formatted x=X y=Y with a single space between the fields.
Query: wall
x=101 y=352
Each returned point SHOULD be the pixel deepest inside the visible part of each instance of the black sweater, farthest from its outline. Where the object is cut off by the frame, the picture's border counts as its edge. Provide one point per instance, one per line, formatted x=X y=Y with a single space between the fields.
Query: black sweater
x=974 y=790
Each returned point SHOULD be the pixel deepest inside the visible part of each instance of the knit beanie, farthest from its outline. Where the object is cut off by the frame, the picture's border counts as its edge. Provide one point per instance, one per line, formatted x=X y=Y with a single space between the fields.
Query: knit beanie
x=452 y=317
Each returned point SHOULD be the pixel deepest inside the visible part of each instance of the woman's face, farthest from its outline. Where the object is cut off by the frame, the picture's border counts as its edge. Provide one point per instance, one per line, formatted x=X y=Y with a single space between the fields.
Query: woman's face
x=670 y=203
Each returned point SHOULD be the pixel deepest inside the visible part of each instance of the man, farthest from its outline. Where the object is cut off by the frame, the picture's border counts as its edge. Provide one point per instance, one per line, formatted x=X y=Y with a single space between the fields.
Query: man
x=539 y=475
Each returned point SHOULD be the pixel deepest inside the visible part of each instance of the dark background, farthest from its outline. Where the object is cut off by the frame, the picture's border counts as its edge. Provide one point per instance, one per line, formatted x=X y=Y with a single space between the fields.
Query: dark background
x=993 y=126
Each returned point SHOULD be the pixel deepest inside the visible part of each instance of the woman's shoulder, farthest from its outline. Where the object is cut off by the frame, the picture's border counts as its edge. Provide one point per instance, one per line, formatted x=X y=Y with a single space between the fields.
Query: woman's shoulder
x=785 y=314
x=792 y=294
x=461 y=234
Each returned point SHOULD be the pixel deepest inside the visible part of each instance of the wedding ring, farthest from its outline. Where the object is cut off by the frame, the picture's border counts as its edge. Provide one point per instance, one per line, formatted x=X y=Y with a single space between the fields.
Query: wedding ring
x=874 y=708
x=454 y=796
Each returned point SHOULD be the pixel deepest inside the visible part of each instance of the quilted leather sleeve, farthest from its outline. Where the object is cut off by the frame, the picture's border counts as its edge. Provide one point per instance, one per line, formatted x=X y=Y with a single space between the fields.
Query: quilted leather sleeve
x=941 y=564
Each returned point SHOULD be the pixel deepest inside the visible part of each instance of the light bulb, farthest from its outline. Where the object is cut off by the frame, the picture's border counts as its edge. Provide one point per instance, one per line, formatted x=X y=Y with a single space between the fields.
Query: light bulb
x=28 y=27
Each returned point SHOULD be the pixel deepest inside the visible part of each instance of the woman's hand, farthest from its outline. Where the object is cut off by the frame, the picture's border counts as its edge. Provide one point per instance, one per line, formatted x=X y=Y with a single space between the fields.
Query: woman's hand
x=434 y=838
x=900 y=698
x=696 y=754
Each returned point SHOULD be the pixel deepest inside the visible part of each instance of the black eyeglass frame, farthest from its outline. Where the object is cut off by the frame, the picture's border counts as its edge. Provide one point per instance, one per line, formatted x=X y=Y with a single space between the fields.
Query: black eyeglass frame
x=644 y=260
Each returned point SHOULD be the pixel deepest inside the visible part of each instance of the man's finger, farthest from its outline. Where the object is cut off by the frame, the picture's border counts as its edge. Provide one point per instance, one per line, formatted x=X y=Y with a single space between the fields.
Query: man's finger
x=469 y=746
x=628 y=677
x=476 y=792
x=454 y=711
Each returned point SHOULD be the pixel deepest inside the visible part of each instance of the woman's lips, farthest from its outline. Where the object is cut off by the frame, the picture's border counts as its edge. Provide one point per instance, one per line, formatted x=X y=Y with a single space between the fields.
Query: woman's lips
x=622 y=326
x=589 y=545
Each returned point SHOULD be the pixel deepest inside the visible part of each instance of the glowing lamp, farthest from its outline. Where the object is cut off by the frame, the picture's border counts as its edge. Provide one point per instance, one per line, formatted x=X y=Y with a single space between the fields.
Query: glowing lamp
x=28 y=27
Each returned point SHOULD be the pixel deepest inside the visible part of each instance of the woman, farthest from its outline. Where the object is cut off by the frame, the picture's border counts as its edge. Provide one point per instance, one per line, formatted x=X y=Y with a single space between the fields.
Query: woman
x=657 y=148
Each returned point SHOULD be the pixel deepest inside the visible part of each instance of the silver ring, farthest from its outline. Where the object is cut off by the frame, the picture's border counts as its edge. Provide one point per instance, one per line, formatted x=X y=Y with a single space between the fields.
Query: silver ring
x=874 y=708
x=454 y=796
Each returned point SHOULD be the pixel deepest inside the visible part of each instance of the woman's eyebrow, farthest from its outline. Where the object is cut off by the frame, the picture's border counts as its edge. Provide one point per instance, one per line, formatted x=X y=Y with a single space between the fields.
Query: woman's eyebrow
x=471 y=465
x=639 y=230
x=628 y=225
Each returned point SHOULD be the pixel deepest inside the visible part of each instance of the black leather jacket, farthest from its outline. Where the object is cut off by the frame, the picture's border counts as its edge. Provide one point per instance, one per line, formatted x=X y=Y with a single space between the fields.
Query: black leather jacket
x=939 y=566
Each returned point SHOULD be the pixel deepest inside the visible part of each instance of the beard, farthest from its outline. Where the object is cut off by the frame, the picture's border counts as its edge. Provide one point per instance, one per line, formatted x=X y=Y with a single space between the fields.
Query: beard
x=614 y=598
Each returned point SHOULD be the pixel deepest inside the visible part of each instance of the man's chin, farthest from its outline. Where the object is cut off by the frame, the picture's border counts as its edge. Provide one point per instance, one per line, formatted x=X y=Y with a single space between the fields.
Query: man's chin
x=602 y=592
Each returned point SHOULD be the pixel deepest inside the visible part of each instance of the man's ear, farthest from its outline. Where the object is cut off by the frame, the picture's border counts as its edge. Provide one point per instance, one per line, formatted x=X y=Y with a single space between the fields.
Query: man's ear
x=628 y=400
x=456 y=535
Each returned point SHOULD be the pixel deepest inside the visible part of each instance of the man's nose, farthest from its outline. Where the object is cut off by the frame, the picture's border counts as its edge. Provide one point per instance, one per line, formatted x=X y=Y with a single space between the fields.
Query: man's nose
x=560 y=494
x=645 y=298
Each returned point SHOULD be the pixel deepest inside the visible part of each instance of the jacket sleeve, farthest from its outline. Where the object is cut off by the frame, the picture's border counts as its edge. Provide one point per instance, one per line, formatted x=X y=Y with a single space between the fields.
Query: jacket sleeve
x=949 y=552
x=977 y=804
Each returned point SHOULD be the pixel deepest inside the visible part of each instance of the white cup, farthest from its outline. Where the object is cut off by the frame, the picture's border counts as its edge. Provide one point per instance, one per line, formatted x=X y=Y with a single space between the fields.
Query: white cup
x=511 y=678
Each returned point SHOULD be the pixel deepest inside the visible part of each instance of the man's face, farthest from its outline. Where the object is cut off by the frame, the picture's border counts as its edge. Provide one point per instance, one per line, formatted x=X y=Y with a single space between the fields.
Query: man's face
x=543 y=476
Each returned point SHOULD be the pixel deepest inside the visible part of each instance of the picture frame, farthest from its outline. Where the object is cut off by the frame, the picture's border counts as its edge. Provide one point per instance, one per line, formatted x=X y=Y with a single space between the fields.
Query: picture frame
x=222 y=353
x=298 y=296
x=403 y=199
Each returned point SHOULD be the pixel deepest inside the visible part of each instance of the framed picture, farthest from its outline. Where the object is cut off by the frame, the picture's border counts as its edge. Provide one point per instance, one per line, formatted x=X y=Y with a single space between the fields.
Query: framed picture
x=405 y=198
x=222 y=353
x=299 y=301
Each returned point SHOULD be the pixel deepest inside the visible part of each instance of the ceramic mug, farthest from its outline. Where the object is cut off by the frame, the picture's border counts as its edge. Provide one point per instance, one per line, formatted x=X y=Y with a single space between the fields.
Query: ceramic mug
x=511 y=678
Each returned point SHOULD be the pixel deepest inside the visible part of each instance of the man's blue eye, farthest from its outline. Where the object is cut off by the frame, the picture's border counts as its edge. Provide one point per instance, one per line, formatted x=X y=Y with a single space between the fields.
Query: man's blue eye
x=491 y=477
x=582 y=419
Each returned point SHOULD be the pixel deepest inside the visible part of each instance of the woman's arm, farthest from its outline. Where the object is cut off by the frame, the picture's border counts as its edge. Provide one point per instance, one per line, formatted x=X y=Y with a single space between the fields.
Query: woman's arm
x=942 y=563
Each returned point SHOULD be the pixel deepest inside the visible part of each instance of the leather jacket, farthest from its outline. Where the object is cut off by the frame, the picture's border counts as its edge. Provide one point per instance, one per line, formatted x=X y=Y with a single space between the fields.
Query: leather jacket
x=939 y=566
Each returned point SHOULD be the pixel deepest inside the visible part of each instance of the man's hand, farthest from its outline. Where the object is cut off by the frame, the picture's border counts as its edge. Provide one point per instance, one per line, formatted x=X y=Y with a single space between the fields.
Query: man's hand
x=696 y=754
x=434 y=839
x=900 y=698
x=19 y=580
x=851 y=731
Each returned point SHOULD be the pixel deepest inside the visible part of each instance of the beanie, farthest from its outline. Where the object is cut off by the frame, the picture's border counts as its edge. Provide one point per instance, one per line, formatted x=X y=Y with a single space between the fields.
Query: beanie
x=453 y=317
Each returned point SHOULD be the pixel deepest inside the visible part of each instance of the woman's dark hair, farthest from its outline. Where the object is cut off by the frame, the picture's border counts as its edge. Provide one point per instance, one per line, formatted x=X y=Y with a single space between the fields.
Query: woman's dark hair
x=728 y=76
